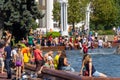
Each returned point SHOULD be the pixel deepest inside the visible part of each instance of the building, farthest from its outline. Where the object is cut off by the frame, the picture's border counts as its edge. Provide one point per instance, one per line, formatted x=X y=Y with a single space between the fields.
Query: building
x=46 y=6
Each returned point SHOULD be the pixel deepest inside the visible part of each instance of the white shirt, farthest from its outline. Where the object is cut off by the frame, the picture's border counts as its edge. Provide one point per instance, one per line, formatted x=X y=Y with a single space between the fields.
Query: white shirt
x=13 y=52
x=96 y=34
x=100 y=42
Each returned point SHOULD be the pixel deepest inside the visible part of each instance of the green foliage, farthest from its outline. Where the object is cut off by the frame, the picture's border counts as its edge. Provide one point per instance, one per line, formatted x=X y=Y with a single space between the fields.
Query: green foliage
x=54 y=34
x=76 y=11
x=19 y=13
x=56 y=11
x=105 y=32
x=105 y=12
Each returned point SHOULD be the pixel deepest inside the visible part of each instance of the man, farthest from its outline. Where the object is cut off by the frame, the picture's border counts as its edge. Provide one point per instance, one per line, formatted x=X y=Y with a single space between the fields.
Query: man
x=7 y=60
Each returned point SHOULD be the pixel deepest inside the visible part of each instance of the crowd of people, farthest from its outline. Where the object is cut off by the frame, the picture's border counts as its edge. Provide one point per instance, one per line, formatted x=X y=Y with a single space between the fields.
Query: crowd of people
x=29 y=51
x=70 y=42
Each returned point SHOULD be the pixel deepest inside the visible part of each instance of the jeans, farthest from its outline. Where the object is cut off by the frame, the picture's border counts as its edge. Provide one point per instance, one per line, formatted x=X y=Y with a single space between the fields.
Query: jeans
x=8 y=68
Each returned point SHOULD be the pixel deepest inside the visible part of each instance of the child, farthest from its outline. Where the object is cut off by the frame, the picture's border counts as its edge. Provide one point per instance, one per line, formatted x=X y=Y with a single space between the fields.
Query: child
x=18 y=63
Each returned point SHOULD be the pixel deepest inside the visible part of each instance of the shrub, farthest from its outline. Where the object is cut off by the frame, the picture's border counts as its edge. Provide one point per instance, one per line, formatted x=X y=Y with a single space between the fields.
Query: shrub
x=54 y=34
x=105 y=32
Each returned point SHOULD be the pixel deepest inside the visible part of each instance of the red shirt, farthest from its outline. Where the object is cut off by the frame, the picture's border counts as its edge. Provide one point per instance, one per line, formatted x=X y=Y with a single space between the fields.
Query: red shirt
x=50 y=38
x=71 y=40
x=38 y=54
x=85 y=49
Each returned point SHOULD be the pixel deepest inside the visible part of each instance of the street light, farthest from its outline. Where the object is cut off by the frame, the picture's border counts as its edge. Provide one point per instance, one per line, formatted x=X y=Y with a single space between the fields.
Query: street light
x=64 y=26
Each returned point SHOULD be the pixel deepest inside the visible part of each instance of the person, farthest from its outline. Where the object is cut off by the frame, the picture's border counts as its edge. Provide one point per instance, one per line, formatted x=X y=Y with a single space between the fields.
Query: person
x=87 y=64
x=38 y=56
x=8 y=36
x=30 y=40
x=48 y=64
x=56 y=59
x=117 y=51
x=18 y=63
x=13 y=54
x=100 y=43
x=7 y=54
x=85 y=48
x=47 y=54
x=26 y=55
x=63 y=63
x=96 y=35
x=2 y=59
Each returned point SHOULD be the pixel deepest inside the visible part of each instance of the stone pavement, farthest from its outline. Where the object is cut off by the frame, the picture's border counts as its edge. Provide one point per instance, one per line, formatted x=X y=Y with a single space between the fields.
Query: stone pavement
x=4 y=77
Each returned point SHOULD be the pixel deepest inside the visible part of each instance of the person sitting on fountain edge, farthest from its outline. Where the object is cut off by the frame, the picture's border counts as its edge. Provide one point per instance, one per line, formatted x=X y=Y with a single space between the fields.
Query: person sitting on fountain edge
x=87 y=64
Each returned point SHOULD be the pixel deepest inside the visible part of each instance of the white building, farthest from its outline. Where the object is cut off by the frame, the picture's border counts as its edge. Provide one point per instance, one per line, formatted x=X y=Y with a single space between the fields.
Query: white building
x=46 y=6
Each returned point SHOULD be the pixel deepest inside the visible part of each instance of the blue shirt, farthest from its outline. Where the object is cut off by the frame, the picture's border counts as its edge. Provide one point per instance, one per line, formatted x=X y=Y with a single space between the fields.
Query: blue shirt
x=8 y=52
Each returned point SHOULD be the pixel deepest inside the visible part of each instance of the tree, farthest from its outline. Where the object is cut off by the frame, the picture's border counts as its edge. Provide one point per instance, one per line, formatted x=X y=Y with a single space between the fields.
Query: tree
x=56 y=12
x=19 y=16
x=117 y=3
x=76 y=11
x=105 y=12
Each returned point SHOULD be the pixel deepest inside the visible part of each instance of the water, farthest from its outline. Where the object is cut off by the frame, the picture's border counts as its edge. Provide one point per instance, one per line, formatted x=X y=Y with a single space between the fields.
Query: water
x=103 y=59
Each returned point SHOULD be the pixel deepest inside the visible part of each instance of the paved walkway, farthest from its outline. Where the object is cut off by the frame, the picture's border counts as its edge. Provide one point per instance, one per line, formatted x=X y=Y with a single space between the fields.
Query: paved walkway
x=4 y=77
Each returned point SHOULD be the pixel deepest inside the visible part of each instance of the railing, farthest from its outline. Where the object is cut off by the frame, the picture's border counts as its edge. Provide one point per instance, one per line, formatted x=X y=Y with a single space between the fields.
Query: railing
x=64 y=75
x=53 y=48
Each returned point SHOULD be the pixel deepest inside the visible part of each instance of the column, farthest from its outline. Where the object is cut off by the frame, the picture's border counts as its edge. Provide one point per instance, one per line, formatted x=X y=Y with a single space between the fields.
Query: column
x=49 y=15
x=64 y=25
x=87 y=28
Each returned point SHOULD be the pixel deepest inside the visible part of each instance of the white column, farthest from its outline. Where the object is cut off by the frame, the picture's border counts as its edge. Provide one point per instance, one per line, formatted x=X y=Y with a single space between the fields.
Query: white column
x=87 y=23
x=61 y=17
x=64 y=25
x=49 y=15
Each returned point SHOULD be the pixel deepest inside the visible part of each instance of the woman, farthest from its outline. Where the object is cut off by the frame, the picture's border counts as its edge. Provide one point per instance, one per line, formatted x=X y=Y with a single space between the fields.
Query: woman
x=63 y=63
x=18 y=63
x=56 y=59
x=87 y=64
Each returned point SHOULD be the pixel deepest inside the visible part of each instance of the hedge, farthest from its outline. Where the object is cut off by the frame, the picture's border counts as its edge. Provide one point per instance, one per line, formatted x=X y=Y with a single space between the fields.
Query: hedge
x=54 y=34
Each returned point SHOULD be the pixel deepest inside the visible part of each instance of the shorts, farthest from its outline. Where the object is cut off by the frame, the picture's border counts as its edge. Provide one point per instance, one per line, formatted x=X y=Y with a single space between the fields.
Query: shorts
x=2 y=62
x=68 y=68
x=96 y=74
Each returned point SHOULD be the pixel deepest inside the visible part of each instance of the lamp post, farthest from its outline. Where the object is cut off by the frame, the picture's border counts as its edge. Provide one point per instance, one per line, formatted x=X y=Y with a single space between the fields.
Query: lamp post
x=64 y=25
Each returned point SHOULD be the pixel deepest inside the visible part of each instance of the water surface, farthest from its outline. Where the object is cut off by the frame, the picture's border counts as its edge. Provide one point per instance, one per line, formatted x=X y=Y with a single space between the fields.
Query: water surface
x=103 y=59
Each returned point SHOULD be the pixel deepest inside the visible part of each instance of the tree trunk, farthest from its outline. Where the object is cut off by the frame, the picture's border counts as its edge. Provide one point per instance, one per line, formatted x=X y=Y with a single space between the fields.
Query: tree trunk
x=96 y=26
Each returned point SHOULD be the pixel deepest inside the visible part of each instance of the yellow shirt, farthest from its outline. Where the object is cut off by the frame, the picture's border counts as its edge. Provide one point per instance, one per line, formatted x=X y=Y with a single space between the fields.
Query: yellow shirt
x=56 y=61
x=26 y=57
